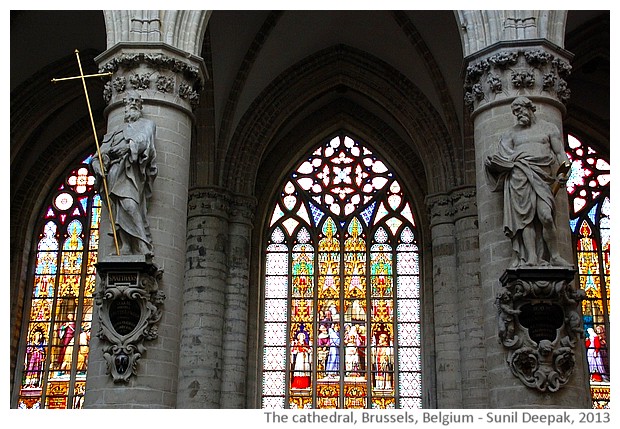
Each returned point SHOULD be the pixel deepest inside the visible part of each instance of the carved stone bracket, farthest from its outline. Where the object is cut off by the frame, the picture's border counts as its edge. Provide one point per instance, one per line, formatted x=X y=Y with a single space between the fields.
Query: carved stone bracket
x=539 y=324
x=129 y=306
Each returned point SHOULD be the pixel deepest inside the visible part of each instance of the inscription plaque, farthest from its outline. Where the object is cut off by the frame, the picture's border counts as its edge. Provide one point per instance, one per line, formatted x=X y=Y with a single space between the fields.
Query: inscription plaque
x=542 y=320
x=124 y=315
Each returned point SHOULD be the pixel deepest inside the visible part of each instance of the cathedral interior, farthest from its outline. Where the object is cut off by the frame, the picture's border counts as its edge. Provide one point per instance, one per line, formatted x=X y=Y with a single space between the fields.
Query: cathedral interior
x=268 y=89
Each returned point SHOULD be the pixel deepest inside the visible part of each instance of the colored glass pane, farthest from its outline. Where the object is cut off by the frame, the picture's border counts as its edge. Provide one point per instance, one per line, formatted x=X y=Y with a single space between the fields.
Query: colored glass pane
x=332 y=333
x=58 y=334
x=588 y=190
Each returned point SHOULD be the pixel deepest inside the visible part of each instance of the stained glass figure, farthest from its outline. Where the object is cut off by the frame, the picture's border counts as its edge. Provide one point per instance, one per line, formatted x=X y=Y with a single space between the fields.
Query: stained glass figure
x=342 y=310
x=58 y=329
x=588 y=190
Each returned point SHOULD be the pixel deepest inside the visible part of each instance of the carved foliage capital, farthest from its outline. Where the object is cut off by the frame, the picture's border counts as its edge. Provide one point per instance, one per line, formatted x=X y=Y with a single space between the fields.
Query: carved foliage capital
x=513 y=72
x=157 y=72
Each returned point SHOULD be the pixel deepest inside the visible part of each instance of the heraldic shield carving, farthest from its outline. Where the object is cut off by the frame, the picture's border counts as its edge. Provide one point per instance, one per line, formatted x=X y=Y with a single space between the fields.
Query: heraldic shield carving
x=129 y=303
x=540 y=325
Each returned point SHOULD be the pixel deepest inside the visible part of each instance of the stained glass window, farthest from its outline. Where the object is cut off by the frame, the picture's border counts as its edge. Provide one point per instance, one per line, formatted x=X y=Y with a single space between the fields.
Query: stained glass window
x=588 y=189
x=58 y=328
x=341 y=304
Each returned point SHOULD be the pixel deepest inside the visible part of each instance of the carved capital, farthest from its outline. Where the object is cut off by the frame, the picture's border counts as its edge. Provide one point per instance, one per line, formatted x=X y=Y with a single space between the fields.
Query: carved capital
x=464 y=202
x=447 y=208
x=440 y=209
x=129 y=303
x=539 y=325
x=510 y=70
x=242 y=209
x=211 y=201
x=160 y=72
x=215 y=201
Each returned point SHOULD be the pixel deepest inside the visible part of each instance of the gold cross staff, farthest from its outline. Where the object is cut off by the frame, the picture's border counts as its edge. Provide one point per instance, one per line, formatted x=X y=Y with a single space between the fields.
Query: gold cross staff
x=92 y=121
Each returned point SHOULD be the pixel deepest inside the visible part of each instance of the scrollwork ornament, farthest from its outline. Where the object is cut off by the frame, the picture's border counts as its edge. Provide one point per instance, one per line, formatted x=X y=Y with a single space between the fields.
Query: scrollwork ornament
x=539 y=325
x=129 y=308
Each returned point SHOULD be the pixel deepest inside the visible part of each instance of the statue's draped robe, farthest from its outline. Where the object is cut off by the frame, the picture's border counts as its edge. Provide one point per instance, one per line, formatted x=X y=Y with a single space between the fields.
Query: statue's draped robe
x=130 y=177
x=526 y=180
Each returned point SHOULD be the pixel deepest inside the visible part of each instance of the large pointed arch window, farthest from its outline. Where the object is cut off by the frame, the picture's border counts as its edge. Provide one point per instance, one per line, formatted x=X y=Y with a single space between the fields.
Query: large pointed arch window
x=341 y=300
x=588 y=189
x=58 y=328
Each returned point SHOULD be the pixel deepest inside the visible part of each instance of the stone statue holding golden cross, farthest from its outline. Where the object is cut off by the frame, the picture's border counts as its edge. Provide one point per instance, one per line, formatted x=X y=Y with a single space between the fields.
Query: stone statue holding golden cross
x=83 y=77
x=125 y=170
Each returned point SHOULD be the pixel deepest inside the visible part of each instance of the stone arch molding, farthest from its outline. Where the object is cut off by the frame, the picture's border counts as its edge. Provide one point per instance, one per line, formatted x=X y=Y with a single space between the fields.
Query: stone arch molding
x=318 y=75
x=482 y=28
x=182 y=29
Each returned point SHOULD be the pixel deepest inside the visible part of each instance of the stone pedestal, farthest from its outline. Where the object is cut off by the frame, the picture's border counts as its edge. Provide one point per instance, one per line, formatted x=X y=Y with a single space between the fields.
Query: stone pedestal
x=539 y=324
x=128 y=301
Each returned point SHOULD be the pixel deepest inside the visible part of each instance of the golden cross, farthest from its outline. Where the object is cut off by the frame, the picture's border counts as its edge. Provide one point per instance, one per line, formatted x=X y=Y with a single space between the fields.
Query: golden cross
x=92 y=121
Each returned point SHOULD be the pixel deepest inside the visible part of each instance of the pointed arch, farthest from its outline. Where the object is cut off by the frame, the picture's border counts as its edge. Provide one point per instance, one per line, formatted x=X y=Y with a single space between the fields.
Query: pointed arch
x=340 y=67
x=342 y=290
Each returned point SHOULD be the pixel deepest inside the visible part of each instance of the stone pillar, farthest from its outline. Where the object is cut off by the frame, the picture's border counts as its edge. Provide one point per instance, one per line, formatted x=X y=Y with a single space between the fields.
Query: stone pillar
x=167 y=80
x=204 y=300
x=471 y=328
x=235 y=341
x=445 y=302
x=495 y=76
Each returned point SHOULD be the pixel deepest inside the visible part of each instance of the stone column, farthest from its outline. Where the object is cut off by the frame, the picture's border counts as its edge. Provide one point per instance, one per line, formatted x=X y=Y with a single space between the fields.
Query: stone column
x=204 y=299
x=471 y=328
x=167 y=80
x=495 y=76
x=235 y=341
x=445 y=302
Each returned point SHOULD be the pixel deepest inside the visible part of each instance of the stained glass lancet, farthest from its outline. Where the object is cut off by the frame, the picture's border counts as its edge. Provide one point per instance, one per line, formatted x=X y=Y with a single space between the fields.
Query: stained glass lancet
x=588 y=189
x=342 y=303
x=58 y=328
